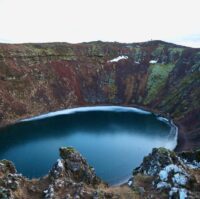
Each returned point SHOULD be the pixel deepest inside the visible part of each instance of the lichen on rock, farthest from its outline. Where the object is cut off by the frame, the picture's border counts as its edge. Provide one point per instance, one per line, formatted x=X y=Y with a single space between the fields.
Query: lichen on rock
x=170 y=175
x=77 y=166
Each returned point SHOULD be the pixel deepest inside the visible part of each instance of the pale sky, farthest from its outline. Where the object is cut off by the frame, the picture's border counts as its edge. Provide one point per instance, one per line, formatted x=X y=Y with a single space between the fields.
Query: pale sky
x=107 y=20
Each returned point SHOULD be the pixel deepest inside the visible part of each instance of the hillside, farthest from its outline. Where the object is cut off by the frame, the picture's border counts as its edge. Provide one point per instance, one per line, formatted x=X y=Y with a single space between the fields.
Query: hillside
x=155 y=75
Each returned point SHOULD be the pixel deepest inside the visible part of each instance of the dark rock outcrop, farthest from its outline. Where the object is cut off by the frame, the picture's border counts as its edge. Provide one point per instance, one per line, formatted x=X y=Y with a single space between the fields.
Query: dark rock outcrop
x=77 y=167
x=70 y=177
x=167 y=175
x=10 y=181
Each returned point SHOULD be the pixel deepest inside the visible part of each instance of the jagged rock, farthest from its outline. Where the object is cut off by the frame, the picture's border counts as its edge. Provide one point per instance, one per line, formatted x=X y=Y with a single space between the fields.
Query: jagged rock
x=5 y=193
x=158 y=159
x=162 y=174
x=190 y=155
x=57 y=169
x=191 y=158
x=77 y=167
x=7 y=167
x=70 y=177
x=73 y=176
x=49 y=193
x=8 y=177
x=169 y=173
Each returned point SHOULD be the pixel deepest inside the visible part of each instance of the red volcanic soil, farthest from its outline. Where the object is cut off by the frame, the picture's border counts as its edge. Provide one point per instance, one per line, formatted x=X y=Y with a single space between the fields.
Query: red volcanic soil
x=39 y=78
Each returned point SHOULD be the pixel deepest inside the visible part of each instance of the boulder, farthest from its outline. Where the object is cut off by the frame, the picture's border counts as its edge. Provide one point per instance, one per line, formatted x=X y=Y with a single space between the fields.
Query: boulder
x=77 y=167
x=168 y=171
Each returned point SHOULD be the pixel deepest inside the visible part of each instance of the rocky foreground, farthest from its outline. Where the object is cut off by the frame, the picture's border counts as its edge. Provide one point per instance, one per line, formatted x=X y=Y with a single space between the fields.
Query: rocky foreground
x=162 y=174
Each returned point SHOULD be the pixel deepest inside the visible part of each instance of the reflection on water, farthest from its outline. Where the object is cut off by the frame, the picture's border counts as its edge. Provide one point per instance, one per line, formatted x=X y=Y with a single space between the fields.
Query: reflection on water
x=113 y=142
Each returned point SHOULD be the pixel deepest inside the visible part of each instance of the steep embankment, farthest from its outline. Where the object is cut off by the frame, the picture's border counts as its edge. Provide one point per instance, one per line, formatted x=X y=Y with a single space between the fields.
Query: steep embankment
x=163 y=77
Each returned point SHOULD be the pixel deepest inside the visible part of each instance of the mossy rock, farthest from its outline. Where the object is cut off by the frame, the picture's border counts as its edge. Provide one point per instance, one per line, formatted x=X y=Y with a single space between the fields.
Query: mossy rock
x=66 y=151
x=158 y=75
x=158 y=51
x=175 y=53
x=8 y=166
x=165 y=152
x=155 y=161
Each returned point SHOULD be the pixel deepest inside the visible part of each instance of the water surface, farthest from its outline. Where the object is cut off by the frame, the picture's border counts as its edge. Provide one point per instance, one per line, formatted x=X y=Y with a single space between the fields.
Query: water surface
x=114 y=140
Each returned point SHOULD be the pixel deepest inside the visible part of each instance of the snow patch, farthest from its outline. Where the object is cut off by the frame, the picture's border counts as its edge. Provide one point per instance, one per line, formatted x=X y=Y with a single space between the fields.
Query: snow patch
x=173 y=167
x=60 y=164
x=49 y=193
x=192 y=165
x=173 y=190
x=182 y=193
x=118 y=58
x=179 y=179
x=161 y=185
x=130 y=183
x=153 y=61
x=163 y=174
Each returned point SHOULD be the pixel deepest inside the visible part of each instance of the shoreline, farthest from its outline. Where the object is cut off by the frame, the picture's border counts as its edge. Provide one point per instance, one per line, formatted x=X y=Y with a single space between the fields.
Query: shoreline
x=175 y=128
x=183 y=144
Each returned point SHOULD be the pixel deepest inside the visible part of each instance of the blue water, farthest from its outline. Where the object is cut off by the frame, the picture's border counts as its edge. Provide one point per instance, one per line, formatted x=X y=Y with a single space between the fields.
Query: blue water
x=113 y=140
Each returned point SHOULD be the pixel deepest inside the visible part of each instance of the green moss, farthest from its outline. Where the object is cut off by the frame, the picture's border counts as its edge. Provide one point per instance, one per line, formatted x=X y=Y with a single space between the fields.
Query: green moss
x=158 y=75
x=175 y=53
x=8 y=166
x=96 y=50
x=66 y=151
x=71 y=149
x=112 y=91
x=196 y=67
x=180 y=93
x=176 y=50
x=112 y=87
x=138 y=54
x=158 y=51
x=165 y=151
x=140 y=99
x=34 y=50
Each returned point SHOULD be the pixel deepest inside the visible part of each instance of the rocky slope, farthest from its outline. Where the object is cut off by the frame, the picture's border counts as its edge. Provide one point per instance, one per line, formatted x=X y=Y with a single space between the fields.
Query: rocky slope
x=70 y=177
x=163 y=174
x=159 y=76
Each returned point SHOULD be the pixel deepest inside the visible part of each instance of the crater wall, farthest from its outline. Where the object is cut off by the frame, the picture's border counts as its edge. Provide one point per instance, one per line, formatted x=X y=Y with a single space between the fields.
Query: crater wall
x=155 y=75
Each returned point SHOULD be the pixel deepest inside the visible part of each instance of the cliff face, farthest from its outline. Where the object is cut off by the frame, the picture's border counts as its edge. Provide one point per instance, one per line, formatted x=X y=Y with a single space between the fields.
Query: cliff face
x=163 y=77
